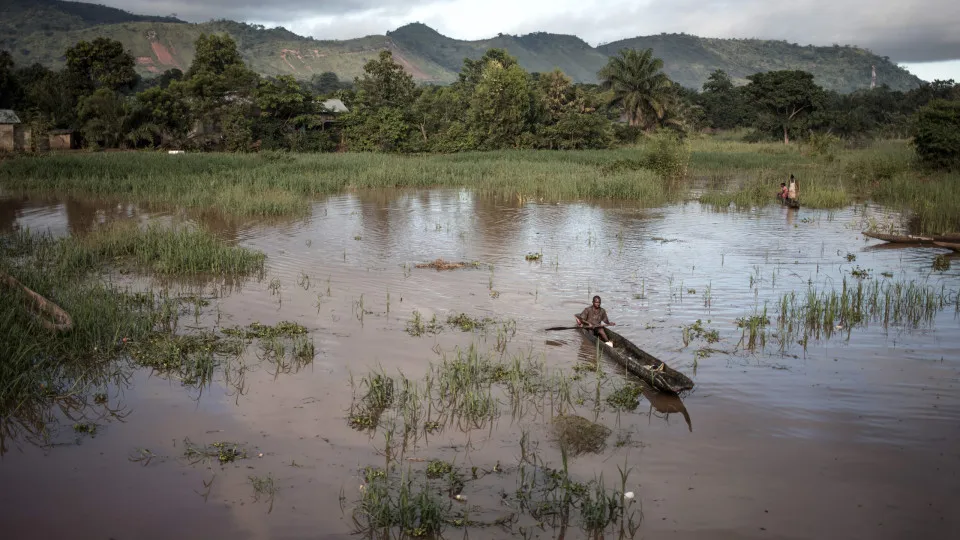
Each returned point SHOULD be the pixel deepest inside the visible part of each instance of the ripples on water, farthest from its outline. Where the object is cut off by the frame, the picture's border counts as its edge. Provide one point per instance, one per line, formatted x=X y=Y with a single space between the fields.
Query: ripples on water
x=657 y=270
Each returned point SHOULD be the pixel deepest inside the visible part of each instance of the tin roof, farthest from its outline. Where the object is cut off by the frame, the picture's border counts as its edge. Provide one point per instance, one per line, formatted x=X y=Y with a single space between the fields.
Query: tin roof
x=7 y=116
x=335 y=105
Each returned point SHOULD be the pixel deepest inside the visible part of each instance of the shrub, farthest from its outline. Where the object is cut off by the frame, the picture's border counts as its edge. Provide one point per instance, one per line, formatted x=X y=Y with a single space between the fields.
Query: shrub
x=937 y=139
x=668 y=156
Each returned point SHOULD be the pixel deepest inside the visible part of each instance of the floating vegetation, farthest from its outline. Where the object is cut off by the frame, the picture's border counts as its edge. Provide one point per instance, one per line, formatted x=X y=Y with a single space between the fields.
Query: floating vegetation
x=87 y=428
x=417 y=327
x=264 y=486
x=223 y=452
x=533 y=256
x=440 y=264
x=193 y=358
x=860 y=273
x=467 y=323
x=261 y=331
x=627 y=397
x=697 y=330
x=438 y=468
x=576 y=435
x=941 y=263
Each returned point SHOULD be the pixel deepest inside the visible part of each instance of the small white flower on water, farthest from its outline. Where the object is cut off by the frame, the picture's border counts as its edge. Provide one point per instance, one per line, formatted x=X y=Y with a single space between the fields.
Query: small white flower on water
x=628 y=495
x=260 y=455
x=361 y=487
x=460 y=497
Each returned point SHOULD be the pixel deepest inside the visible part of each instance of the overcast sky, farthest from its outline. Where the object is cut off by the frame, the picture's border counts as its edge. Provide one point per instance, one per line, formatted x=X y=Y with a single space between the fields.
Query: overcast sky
x=908 y=31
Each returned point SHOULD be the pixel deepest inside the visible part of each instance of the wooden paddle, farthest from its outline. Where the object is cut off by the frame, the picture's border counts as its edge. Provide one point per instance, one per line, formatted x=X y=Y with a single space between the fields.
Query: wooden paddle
x=575 y=327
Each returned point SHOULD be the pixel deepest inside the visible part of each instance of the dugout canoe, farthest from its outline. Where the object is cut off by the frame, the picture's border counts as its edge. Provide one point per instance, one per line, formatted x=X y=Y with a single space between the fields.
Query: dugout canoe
x=792 y=204
x=949 y=245
x=638 y=362
x=913 y=239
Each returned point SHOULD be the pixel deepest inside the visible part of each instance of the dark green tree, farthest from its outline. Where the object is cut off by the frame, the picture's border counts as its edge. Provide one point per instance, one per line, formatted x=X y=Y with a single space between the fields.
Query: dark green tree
x=10 y=92
x=472 y=70
x=103 y=116
x=220 y=87
x=385 y=84
x=937 y=140
x=166 y=109
x=101 y=63
x=637 y=84
x=381 y=114
x=724 y=104
x=326 y=83
x=500 y=104
x=784 y=98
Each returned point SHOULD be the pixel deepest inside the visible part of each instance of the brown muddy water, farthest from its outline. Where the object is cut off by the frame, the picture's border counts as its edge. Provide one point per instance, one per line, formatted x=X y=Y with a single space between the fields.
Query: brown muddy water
x=853 y=436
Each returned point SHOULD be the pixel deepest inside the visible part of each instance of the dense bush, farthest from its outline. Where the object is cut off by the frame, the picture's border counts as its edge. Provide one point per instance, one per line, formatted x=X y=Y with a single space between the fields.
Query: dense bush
x=937 y=139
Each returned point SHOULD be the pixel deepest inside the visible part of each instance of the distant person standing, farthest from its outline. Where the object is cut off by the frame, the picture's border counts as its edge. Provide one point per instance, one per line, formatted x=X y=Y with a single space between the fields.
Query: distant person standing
x=792 y=190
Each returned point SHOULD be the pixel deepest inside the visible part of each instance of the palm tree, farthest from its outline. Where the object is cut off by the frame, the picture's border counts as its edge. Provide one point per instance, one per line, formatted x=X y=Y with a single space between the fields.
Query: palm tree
x=638 y=85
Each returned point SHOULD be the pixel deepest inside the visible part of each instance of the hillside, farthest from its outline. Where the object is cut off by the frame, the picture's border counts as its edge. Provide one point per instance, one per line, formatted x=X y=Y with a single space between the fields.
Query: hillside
x=41 y=30
x=689 y=60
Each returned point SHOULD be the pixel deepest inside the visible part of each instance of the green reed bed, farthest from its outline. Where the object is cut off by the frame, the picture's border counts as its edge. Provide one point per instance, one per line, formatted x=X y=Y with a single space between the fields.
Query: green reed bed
x=113 y=330
x=748 y=175
x=818 y=314
x=160 y=250
x=273 y=184
x=43 y=372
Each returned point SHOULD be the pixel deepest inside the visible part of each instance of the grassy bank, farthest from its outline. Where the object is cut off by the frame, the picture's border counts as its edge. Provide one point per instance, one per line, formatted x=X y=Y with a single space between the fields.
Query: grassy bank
x=273 y=184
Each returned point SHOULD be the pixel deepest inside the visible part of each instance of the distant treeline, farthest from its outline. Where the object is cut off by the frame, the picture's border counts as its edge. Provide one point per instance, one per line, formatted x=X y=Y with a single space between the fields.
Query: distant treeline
x=221 y=104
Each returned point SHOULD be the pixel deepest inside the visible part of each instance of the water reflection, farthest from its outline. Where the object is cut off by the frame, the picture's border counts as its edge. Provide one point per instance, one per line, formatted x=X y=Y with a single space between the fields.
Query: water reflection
x=665 y=404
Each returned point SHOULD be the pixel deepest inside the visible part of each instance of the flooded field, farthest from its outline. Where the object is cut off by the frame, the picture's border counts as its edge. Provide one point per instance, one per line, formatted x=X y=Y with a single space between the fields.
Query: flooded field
x=417 y=399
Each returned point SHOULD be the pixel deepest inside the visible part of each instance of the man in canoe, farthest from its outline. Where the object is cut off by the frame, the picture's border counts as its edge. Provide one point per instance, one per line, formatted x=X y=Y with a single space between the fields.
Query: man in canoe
x=593 y=316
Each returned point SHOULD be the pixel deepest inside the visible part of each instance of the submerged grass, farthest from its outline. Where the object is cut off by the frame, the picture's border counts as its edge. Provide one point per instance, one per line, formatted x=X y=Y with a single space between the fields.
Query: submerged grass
x=47 y=373
x=819 y=314
x=158 y=249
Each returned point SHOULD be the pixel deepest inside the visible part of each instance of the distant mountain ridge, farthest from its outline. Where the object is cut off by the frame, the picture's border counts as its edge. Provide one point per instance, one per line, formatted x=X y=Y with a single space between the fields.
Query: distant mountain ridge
x=41 y=30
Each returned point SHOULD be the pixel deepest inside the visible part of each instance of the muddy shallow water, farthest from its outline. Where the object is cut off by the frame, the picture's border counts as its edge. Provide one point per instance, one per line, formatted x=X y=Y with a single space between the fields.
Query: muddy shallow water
x=854 y=436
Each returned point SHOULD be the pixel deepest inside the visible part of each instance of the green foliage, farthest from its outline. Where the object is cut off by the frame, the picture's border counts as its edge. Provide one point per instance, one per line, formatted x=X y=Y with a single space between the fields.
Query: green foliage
x=499 y=105
x=637 y=84
x=669 y=157
x=725 y=106
x=937 y=140
x=102 y=63
x=784 y=98
x=9 y=85
x=104 y=116
x=168 y=111
x=385 y=84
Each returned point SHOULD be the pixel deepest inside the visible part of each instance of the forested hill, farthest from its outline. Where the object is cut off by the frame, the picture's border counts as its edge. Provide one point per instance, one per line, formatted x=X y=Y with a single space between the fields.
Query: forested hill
x=41 y=30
